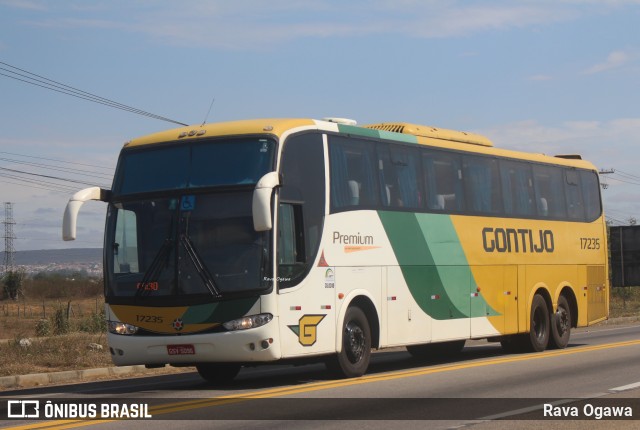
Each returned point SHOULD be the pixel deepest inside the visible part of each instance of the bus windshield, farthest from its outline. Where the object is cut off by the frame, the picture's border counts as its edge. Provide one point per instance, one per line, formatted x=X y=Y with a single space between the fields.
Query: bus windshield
x=185 y=245
x=212 y=163
x=180 y=221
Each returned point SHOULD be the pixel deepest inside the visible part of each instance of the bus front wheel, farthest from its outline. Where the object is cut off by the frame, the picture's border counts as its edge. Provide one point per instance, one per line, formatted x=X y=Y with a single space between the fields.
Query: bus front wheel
x=353 y=360
x=218 y=373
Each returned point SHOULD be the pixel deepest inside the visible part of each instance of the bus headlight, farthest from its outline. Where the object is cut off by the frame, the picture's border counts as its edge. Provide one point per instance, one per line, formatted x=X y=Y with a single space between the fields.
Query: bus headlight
x=251 y=321
x=117 y=327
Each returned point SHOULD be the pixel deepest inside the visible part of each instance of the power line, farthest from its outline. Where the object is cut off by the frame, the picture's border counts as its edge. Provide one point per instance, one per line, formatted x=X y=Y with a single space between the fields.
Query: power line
x=34 y=186
x=31 y=179
x=50 y=84
x=629 y=175
x=59 y=169
x=52 y=177
x=57 y=160
x=615 y=220
x=624 y=181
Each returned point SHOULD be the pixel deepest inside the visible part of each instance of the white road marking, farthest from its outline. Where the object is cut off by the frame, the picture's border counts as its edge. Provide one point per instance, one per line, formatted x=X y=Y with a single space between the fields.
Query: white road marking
x=625 y=387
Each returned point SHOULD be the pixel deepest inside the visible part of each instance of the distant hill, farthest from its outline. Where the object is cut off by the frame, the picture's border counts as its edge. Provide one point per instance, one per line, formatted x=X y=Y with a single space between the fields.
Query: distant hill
x=56 y=256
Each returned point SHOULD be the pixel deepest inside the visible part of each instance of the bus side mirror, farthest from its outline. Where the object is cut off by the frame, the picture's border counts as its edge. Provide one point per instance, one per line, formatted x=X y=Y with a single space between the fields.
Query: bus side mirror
x=75 y=202
x=261 y=204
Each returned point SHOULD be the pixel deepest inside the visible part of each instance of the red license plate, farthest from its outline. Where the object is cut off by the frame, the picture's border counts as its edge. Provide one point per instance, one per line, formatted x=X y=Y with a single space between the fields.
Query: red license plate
x=181 y=349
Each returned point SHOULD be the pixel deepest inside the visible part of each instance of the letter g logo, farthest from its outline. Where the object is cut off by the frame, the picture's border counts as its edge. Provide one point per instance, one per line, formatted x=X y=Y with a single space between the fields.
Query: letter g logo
x=307 y=329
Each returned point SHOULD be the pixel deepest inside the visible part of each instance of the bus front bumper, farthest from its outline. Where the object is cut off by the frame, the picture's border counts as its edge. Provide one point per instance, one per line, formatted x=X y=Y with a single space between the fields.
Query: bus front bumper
x=243 y=346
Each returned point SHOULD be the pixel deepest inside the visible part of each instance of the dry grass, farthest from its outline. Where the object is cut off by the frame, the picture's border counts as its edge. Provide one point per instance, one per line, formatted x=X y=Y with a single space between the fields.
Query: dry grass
x=625 y=302
x=19 y=318
x=25 y=319
x=55 y=353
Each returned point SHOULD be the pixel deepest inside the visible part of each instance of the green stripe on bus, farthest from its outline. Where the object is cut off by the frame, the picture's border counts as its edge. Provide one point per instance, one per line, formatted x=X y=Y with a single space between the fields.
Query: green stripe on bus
x=218 y=312
x=359 y=131
x=433 y=265
x=377 y=134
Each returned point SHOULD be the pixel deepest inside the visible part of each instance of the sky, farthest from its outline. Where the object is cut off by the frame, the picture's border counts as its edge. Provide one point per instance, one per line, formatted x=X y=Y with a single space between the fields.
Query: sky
x=550 y=76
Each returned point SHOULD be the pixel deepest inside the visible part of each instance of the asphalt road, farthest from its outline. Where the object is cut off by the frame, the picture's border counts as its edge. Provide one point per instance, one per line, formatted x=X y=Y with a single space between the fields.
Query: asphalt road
x=481 y=388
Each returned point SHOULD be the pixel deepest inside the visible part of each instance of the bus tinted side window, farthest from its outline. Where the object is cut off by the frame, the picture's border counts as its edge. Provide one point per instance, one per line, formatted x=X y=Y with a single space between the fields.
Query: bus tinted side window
x=575 y=205
x=353 y=179
x=399 y=170
x=302 y=203
x=482 y=184
x=549 y=185
x=443 y=179
x=517 y=188
x=590 y=194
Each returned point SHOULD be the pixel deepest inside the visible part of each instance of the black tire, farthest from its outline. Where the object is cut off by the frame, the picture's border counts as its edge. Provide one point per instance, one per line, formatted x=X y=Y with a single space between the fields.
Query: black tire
x=561 y=325
x=354 y=358
x=218 y=373
x=539 y=322
x=436 y=350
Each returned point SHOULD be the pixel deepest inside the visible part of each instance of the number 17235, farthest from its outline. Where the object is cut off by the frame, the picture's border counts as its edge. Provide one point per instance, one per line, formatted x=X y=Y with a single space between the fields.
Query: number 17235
x=591 y=243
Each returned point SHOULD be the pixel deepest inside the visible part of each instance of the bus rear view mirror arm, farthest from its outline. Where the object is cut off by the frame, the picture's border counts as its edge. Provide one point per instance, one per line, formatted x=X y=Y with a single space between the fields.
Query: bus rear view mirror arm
x=261 y=204
x=73 y=207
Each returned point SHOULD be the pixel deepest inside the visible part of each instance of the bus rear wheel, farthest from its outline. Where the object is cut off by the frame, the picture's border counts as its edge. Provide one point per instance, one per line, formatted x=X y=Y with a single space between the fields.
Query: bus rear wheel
x=353 y=360
x=218 y=373
x=561 y=325
x=539 y=325
x=538 y=337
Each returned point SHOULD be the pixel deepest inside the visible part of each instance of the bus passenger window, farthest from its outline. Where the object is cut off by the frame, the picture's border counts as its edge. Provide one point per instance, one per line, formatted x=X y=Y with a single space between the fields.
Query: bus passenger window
x=548 y=183
x=591 y=195
x=575 y=206
x=352 y=175
x=517 y=188
x=482 y=184
x=398 y=174
x=443 y=179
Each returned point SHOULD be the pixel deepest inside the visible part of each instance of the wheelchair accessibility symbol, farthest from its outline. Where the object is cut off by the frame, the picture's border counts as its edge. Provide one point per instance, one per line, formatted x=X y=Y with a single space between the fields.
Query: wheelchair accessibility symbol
x=188 y=203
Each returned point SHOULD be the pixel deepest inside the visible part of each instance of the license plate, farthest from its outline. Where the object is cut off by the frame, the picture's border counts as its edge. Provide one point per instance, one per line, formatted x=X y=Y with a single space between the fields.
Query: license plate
x=181 y=349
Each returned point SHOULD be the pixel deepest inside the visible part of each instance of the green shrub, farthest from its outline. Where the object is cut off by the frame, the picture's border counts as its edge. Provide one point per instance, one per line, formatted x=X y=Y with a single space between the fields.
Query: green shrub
x=43 y=328
x=60 y=321
x=94 y=323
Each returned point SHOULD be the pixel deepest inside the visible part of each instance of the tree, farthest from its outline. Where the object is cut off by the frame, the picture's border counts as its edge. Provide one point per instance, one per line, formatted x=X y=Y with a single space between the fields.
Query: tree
x=12 y=281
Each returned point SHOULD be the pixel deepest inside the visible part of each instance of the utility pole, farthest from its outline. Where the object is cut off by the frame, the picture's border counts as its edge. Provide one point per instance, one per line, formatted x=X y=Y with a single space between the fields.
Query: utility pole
x=606 y=172
x=9 y=237
x=11 y=278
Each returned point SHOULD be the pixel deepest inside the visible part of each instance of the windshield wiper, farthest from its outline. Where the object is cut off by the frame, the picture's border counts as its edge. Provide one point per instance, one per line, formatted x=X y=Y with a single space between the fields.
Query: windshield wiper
x=202 y=270
x=155 y=268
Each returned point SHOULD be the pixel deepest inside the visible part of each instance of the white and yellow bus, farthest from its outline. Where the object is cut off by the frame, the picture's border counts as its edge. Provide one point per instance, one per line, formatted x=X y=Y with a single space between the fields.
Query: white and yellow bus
x=257 y=241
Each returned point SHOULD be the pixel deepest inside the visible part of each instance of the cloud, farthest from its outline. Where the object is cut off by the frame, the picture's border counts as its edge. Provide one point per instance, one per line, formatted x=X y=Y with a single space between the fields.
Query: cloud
x=255 y=24
x=24 y=4
x=607 y=144
x=615 y=60
x=596 y=140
